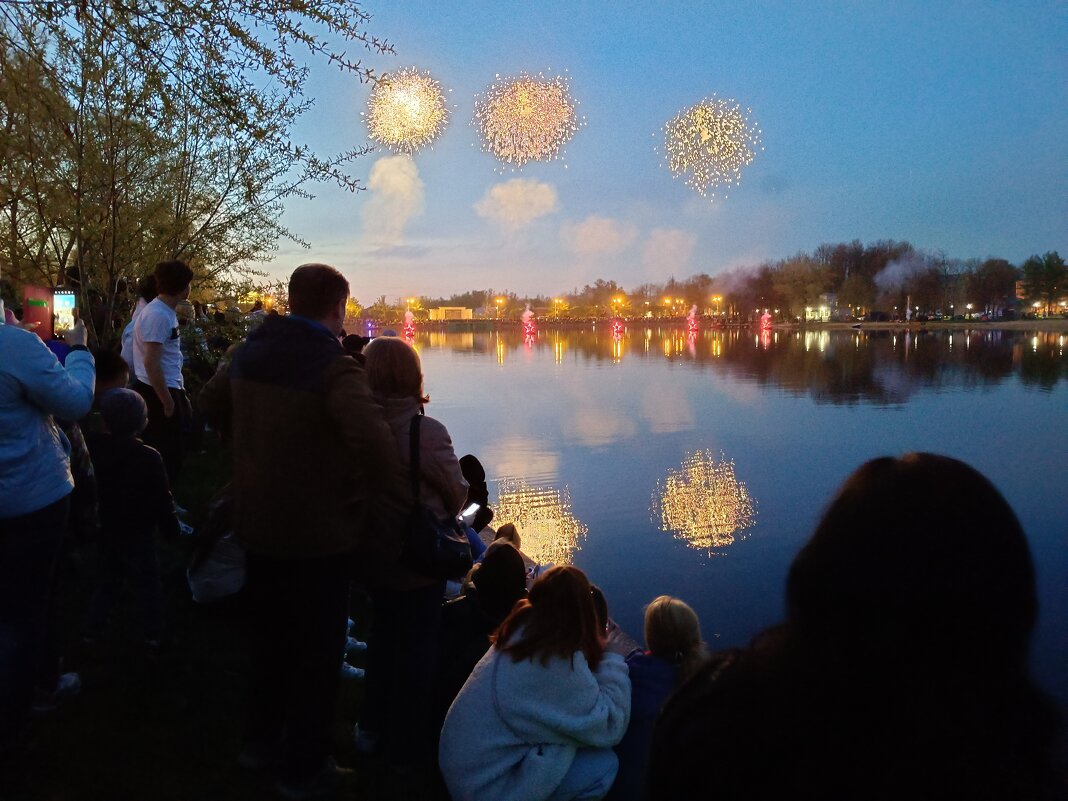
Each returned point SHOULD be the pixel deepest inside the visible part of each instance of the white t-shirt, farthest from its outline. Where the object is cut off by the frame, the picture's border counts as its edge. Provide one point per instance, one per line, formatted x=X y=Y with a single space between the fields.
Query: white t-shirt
x=158 y=322
x=127 y=334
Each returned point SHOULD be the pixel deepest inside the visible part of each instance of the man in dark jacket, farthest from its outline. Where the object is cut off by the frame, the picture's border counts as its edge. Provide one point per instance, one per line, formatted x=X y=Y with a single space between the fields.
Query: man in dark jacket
x=318 y=488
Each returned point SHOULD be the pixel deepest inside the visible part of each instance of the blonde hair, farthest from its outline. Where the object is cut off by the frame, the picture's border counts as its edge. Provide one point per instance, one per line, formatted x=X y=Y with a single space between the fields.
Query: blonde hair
x=673 y=633
x=508 y=533
x=393 y=369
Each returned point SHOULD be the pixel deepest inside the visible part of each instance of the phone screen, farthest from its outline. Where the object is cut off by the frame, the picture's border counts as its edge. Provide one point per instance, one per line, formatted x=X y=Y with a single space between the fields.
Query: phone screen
x=63 y=309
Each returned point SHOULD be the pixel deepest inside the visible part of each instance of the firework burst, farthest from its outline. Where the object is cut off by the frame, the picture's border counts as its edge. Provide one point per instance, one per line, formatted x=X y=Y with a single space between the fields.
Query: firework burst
x=526 y=118
x=406 y=111
x=710 y=144
x=703 y=502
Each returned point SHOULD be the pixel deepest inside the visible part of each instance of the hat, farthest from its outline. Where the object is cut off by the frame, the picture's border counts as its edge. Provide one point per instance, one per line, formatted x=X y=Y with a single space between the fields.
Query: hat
x=124 y=412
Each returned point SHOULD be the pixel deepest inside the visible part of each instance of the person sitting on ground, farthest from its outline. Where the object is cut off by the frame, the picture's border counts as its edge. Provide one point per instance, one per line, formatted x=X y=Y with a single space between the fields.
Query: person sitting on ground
x=398 y=707
x=467 y=623
x=901 y=668
x=135 y=499
x=539 y=714
x=675 y=652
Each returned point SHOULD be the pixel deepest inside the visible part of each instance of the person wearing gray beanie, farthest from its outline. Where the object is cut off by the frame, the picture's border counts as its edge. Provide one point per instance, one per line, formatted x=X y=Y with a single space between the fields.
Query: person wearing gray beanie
x=125 y=412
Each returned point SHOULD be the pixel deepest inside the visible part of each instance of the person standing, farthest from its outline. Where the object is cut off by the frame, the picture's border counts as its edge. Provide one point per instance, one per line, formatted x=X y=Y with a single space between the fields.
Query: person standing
x=318 y=488
x=157 y=357
x=35 y=488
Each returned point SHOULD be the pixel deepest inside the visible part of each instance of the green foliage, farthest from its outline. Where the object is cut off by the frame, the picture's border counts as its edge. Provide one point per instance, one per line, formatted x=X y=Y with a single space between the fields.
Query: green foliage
x=138 y=132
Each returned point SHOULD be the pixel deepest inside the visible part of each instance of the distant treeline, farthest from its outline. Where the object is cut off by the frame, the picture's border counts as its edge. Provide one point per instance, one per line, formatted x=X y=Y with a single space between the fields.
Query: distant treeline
x=846 y=278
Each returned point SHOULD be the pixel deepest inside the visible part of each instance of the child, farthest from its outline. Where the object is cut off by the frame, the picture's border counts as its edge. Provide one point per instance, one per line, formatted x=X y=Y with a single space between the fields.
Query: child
x=135 y=499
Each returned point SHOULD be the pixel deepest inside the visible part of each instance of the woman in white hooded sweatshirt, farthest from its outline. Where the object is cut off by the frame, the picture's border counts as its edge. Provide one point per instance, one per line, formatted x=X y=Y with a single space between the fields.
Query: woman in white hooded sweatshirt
x=537 y=719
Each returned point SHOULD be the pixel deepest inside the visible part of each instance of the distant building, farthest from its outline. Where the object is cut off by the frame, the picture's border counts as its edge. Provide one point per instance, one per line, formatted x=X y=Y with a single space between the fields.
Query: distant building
x=451 y=313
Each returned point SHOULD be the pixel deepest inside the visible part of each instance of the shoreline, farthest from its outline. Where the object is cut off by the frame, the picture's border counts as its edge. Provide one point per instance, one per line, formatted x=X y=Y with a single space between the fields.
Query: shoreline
x=1055 y=325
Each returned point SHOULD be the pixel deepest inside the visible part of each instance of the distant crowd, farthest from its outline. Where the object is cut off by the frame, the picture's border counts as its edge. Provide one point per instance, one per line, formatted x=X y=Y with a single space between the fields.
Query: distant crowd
x=899 y=671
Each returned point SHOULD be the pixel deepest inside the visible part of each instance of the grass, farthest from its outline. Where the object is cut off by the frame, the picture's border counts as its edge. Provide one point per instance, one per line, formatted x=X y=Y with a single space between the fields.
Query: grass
x=168 y=728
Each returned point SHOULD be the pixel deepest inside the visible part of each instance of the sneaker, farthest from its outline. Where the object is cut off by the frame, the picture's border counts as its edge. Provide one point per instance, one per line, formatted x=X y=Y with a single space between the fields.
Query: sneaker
x=321 y=785
x=185 y=529
x=354 y=646
x=351 y=672
x=366 y=741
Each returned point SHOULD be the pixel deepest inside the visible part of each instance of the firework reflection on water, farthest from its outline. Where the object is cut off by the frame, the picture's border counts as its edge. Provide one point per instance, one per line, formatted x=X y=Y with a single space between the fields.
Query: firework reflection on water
x=703 y=503
x=550 y=533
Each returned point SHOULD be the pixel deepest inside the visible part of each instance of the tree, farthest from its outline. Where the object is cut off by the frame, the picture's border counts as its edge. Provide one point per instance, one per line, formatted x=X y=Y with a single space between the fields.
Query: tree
x=138 y=132
x=1044 y=279
x=992 y=285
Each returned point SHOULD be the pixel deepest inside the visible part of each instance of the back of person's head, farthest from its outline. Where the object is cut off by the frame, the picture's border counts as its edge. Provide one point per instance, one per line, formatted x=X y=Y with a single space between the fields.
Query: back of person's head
x=354 y=344
x=172 y=277
x=509 y=533
x=500 y=580
x=475 y=474
x=146 y=287
x=917 y=559
x=112 y=372
x=393 y=369
x=673 y=633
x=556 y=619
x=124 y=412
x=315 y=290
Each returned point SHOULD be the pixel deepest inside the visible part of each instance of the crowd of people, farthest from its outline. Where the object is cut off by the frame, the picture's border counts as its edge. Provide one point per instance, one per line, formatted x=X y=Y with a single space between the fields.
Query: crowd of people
x=897 y=672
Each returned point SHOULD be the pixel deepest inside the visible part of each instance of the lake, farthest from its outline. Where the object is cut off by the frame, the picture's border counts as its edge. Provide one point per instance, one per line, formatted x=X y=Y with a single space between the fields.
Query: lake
x=697 y=465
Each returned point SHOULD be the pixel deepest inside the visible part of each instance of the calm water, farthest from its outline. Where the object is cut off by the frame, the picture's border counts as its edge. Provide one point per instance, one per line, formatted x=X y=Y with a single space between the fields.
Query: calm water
x=697 y=466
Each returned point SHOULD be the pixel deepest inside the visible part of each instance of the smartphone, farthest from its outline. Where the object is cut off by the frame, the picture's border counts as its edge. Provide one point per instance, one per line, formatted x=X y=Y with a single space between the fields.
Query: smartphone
x=468 y=514
x=62 y=311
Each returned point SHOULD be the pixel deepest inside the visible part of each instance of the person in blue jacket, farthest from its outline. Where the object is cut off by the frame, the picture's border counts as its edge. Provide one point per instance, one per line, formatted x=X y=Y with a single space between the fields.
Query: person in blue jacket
x=35 y=487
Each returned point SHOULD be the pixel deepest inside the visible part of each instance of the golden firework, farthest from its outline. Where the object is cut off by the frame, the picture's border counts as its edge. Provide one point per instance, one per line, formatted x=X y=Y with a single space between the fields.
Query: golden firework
x=703 y=502
x=710 y=144
x=526 y=118
x=406 y=111
x=550 y=533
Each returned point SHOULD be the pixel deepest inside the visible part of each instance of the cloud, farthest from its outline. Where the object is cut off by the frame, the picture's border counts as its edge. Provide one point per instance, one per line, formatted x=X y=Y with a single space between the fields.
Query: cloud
x=597 y=235
x=668 y=251
x=517 y=202
x=396 y=197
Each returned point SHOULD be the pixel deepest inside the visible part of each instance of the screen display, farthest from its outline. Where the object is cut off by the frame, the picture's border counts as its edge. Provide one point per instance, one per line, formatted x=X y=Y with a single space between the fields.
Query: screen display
x=63 y=310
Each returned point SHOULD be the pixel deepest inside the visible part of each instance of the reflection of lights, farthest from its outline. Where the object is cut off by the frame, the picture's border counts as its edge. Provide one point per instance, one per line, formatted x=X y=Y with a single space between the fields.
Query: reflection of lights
x=558 y=349
x=550 y=533
x=703 y=502
x=500 y=350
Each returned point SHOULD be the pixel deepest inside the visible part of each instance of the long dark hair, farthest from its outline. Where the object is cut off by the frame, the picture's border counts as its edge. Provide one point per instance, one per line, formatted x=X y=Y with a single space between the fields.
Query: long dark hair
x=555 y=620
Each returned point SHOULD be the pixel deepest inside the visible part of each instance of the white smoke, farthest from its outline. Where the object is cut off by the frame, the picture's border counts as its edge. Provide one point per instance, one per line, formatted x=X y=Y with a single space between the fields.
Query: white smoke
x=517 y=202
x=396 y=197
x=597 y=235
x=668 y=250
x=899 y=273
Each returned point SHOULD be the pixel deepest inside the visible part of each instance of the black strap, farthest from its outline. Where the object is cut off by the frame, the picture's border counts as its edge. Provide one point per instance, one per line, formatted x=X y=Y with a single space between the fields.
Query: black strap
x=413 y=455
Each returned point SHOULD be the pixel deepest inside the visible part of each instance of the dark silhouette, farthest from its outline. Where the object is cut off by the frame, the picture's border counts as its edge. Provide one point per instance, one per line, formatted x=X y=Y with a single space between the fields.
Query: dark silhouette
x=901 y=669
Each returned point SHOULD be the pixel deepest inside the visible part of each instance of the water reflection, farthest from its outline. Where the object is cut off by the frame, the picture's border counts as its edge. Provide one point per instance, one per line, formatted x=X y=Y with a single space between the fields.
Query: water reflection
x=703 y=502
x=550 y=533
x=842 y=367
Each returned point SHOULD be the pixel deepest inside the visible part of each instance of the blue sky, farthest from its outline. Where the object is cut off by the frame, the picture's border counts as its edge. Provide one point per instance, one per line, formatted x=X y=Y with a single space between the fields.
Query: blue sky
x=941 y=123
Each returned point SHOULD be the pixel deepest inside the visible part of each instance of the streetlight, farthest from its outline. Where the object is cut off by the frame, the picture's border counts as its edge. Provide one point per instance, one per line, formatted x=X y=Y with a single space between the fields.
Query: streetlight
x=499 y=302
x=717 y=299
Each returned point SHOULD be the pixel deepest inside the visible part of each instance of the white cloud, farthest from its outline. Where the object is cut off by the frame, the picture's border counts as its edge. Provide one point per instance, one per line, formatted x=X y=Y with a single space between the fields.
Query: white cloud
x=517 y=202
x=396 y=196
x=667 y=251
x=598 y=235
